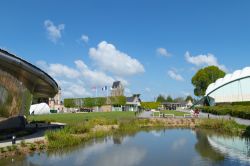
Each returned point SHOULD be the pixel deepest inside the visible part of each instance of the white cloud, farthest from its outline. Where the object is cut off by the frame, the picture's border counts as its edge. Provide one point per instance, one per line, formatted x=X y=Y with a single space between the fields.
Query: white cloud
x=54 y=32
x=85 y=38
x=108 y=58
x=58 y=70
x=96 y=78
x=77 y=81
x=163 y=52
x=175 y=75
x=204 y=60
x=178 y=144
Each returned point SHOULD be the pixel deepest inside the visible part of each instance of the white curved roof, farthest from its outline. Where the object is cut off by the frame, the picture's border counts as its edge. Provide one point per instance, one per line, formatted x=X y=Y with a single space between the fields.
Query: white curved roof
x=39 y=109
x=238 y=74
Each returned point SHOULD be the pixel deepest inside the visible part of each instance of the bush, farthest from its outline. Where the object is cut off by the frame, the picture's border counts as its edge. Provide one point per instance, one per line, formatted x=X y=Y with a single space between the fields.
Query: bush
x=150 y=105
x=22 y=143
x=233 y=110
x=32 y=147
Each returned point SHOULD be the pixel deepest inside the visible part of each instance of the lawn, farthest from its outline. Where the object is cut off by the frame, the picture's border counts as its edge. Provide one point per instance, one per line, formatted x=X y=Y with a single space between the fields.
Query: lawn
x=176 y=113
x=72 y=118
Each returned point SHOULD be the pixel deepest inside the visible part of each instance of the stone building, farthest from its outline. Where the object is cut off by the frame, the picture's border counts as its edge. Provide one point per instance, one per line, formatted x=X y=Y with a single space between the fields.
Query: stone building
x=117 y=89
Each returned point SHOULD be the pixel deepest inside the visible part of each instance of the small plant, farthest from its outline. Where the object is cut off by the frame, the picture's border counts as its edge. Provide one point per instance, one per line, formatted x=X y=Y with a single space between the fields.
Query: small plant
x=9 y=148
x=13 y=147
x=32 y=147
x=23 y=144
x=2 y=150
x=42 y=146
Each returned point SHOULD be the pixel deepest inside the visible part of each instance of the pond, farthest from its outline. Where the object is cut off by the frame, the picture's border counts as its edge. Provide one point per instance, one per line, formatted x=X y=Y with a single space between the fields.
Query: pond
x=146 y=148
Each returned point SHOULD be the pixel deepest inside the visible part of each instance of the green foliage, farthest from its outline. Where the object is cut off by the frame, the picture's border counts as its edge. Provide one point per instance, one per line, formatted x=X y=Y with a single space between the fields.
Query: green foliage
x=189 y=98
x=228 y=126
x=150 y=105
x=92 y=102
x=41 y=146
x=32 y=147
x=204 y=77
x=169 y=99
x=69 y=103
x=233 y=110
x=245 y=103
x=179 y=99
x=160 y=99
x=117 y=100
x=23 y=144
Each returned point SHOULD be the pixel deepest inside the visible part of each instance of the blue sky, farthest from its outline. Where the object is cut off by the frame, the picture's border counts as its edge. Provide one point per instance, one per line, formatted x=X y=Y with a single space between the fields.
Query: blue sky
x=153 y=46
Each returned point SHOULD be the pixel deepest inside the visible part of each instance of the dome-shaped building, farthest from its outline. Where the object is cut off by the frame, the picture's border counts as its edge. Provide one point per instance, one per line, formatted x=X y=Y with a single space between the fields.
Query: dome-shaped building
x=232 y=88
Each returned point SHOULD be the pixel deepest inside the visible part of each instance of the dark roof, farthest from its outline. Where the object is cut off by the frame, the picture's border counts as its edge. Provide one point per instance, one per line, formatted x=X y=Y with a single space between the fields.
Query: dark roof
x=130 y=99
x=36 y=80
x=116 y=84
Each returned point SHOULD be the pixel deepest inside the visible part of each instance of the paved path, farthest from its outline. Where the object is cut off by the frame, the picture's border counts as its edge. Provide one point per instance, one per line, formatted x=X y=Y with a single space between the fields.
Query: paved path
x=145 y=114
x=37 y=136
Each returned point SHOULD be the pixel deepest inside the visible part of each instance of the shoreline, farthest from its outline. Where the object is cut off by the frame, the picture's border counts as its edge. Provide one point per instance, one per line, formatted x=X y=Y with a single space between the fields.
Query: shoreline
x=59 y=139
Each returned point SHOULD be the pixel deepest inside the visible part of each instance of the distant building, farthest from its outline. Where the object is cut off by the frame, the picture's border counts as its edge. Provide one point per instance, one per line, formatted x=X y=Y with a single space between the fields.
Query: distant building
x=55 y=103
x=133 y=103
x=175 y=105
x=117 y=89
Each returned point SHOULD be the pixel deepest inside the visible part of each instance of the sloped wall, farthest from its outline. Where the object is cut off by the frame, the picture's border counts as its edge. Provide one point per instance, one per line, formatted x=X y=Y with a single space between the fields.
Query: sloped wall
x=15 y=99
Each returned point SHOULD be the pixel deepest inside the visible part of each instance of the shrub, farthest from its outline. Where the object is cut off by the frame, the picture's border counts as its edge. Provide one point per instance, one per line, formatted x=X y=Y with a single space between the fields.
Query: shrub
x=32 y=147
x=23 y=144
x=233 y=110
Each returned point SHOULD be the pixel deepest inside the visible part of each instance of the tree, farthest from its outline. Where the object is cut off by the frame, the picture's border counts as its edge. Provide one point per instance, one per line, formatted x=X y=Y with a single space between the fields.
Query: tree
x=189 y=98
x=169 y=99
x=204 y=77
x=179 y=99
x=160 y=99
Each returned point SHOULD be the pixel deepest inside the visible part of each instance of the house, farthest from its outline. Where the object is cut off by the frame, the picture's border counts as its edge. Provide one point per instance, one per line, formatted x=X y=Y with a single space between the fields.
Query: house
x=55 y=103
x=175 y=105
x=117 y=89
x=133 y=103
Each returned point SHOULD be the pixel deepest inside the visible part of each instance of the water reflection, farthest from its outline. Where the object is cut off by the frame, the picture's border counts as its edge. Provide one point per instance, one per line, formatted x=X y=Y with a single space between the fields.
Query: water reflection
x=148 y=147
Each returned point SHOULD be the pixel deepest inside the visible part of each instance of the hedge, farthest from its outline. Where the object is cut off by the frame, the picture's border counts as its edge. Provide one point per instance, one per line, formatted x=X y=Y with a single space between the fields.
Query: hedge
x=92 y=102
x=150 y=105
x=233 y=110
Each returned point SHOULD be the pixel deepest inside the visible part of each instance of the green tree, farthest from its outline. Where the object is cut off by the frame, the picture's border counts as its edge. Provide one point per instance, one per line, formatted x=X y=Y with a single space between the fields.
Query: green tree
x=178 y=99
x=160 y=99
x=204 y=77
x=169 y=99
x=189 y=98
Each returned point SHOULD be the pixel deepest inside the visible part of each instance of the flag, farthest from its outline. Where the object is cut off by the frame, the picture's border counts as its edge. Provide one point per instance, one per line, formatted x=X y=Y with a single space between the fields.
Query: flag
x=105 y=88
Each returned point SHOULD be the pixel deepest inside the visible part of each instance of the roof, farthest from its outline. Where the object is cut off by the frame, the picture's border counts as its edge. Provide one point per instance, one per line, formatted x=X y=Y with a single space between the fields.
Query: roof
x=116 y=84
x=237 y=75
x=39 y=83
x=130 y=99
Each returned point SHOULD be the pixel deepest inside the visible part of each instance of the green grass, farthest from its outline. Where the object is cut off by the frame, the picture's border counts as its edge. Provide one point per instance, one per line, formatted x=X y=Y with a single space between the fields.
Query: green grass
x=176 y=113
x=73 y=118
